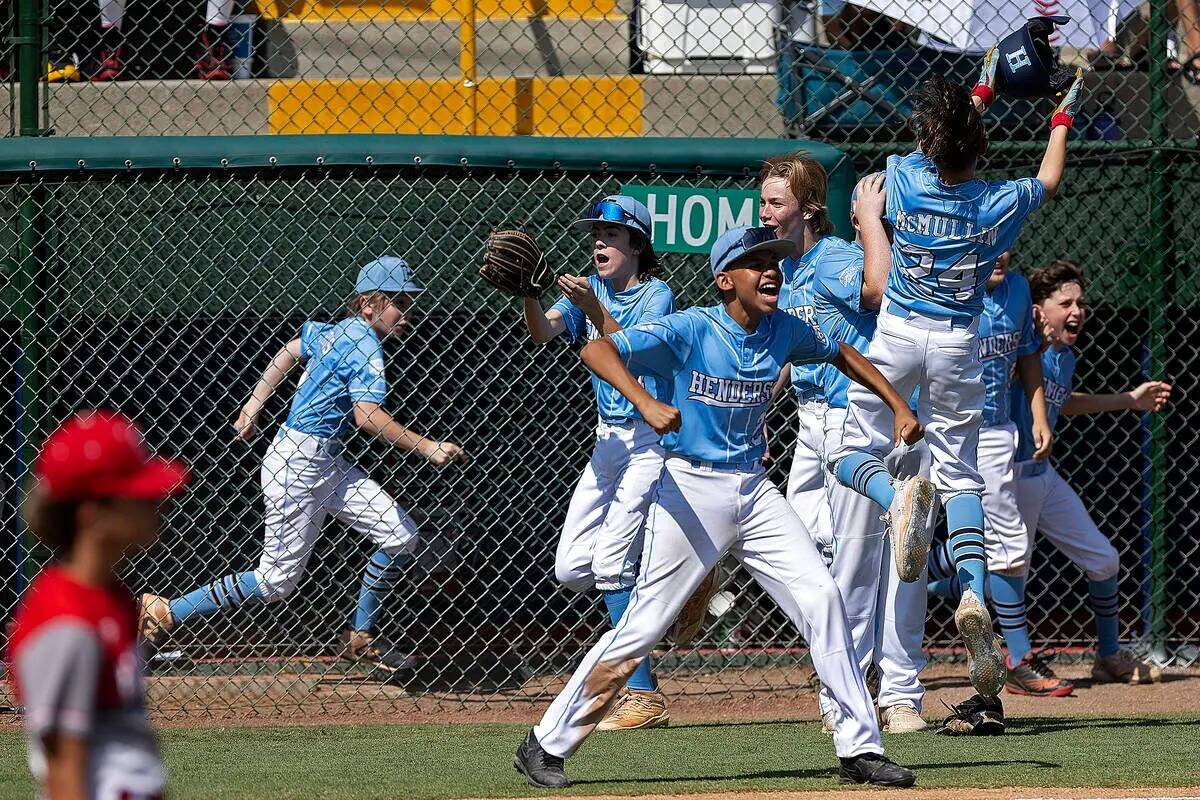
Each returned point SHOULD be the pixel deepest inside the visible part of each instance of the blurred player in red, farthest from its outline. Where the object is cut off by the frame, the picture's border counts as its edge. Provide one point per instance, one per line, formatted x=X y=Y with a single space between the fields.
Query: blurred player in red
x=73 y=652
x=212 y=58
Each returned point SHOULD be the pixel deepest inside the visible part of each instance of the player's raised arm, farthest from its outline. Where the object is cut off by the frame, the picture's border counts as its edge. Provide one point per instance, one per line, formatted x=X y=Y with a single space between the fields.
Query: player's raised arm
x=856 y=367
x=288 y=357
x=377 y=422
x=1054 y=163
x=603 y=358
x=869 y=208
x=1029 y=368
x=1151 y=396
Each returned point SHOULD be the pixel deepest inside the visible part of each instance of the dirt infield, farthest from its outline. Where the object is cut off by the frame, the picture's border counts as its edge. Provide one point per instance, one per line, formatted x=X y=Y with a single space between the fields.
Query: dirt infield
x=1013 y=793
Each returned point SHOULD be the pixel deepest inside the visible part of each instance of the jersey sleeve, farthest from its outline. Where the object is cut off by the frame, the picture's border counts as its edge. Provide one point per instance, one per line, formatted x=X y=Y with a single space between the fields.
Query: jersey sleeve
x=659 y=347
x=1031 y=193
x=839 y=283
x=58 y=670
x=660 y=304
x=310 y=333
x=366 y=383
x=809 y=344
x=573 y=316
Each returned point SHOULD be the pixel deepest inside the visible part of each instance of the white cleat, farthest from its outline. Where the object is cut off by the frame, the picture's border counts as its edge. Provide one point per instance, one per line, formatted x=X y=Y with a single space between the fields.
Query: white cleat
x=902 y=718
x=910 y=525
x=984 y=660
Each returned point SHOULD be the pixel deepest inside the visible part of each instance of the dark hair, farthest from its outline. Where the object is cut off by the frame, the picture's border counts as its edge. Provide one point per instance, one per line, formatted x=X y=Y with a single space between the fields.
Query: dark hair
x=806 y=180
x=949 y=130
x=52 y=522
x=1046 y=280
x=648 y=264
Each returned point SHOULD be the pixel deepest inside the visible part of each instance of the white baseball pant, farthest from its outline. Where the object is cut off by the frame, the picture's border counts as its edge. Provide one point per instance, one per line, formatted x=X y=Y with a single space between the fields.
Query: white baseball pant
x=1006 y=540
x=601 y=540
x=701 y=512
x=806 y=479
x=304 y=479
x=943 y=359
x=217 y=12
x=887 y=616
x=1050 y=506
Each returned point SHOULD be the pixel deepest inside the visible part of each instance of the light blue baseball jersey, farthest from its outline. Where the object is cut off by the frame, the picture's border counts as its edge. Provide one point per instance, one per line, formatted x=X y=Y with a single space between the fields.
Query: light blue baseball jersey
x=1005 y=334
x=649 y=300
x=837 y=289
x=344 y=367
x=720 y=376
x=1058 y=375
x=796 y=298
x=947 y=238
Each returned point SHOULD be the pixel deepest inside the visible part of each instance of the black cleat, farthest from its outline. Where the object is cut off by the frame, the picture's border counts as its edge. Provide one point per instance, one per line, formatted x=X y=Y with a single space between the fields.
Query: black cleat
x=541 y=770
x=877 y=770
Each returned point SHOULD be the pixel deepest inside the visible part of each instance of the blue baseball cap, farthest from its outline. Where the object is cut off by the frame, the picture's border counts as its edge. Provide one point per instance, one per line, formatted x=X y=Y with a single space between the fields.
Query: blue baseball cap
x=738 y=242
x=386 y=274
x=619 y=209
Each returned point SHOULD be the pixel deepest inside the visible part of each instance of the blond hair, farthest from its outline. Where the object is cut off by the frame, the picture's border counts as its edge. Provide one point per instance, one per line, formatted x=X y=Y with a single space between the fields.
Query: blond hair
x=807 y=182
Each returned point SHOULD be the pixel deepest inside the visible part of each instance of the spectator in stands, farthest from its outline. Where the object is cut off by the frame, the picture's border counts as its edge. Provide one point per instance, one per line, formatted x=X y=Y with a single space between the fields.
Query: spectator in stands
x=212 y=62
x=1184 y=14
x=852 y=27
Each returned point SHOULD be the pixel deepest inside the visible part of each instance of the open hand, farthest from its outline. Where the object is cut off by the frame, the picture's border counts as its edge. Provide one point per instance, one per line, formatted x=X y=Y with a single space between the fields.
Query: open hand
x=872 y=199
x=579 y=291
x=1151 y=396
x=442 y=453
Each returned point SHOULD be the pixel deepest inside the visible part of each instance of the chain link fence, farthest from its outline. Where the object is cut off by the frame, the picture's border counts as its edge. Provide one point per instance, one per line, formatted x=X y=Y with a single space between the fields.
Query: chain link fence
x=157 y=277
x=824 y=69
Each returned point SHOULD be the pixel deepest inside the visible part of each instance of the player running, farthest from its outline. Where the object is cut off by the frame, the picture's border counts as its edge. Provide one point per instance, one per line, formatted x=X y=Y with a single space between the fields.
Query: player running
x=601 y=540
x=305 y=478
x=714 y=497
x=72 y=650
x=1047 y=504
x=949 y=228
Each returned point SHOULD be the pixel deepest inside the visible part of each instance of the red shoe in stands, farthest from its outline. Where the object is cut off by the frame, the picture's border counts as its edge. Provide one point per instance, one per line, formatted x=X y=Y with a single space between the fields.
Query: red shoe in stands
x=213 y=64
x=111 y=68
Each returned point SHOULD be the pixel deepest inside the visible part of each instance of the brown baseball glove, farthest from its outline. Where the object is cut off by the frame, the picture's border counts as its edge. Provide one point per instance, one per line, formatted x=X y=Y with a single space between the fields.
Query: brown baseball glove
x=514 y=264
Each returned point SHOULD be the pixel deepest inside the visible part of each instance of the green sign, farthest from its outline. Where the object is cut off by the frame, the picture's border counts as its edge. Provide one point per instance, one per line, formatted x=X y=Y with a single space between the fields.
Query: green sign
x=689 y=220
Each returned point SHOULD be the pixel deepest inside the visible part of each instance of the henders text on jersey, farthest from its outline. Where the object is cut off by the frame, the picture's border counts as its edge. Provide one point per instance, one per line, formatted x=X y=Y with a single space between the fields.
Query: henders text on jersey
x=945 y=228
x=728 y=393
x=806 y=313
x=1056 y=393
x=999 y=345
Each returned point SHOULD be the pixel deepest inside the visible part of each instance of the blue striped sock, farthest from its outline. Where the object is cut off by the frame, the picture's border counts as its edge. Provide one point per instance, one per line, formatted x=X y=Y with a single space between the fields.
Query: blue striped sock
x=379 y=578
x=223 y=593
x=943 y=578
x=1105 y=601
x=1008 y=597
x=642 y=679
x=866 y=474
x=964 y=519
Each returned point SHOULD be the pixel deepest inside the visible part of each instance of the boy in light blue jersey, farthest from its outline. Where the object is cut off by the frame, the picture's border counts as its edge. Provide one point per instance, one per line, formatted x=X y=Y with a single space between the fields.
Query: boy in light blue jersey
x=949 y=227
x=601 y=540
x=305 y=478
x=887 y=615
x=714 y=497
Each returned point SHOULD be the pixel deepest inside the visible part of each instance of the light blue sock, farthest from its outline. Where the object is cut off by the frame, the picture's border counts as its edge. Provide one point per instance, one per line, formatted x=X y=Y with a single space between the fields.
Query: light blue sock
x=943 y=578
x=1105 y=600
x=1008 y=596
x=223 y=593
x=948 y=588
x=866 y=474
x=379 y=578
x=964 y=519
x=642 y=679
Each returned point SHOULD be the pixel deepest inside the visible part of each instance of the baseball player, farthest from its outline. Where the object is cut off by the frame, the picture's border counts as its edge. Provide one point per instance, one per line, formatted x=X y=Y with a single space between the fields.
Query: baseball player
x=601 y=540
x=1047 y=504
x=305 y=478
x=949 y=228
x=72 y=651
x=887 y=615
x=714 y=497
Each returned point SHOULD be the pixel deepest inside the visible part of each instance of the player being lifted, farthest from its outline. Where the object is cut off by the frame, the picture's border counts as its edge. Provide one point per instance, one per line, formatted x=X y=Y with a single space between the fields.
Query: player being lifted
x=305 y=478
x=949 y=227
x=601 y=540
x=1043 y=502
x=714 y=497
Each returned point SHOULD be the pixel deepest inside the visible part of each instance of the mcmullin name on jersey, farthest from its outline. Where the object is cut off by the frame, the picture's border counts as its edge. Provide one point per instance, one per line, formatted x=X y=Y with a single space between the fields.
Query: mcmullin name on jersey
x=945 y=228
x=999 y=345
x=728 y=393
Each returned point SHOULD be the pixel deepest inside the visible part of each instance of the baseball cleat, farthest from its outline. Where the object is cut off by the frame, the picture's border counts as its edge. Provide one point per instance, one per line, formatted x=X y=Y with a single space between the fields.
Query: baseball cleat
x=155 y=619
x=875 y=769
x=691 y=616
x=985 y=662
x=637 y=709
x=1032 y=676
x=1125 y=667
x=902 y=718
x=910 y=524
x=975 y=716
x=541 y=770
x=380 y=654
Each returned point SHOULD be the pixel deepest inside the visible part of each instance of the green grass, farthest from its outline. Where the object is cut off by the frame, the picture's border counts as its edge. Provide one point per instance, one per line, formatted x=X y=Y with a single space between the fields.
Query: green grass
x=427 y=762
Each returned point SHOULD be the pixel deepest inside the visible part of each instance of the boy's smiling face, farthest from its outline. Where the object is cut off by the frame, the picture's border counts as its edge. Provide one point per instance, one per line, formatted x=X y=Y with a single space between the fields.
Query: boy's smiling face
x=755 y=281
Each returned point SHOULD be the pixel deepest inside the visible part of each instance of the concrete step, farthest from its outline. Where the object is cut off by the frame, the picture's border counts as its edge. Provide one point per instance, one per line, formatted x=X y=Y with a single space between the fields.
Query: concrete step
x=420 y=49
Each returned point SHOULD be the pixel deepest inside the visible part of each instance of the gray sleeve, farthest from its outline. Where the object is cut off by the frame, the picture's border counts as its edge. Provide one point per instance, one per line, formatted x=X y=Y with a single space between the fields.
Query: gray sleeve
x=58 y=670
